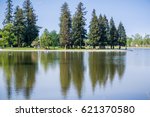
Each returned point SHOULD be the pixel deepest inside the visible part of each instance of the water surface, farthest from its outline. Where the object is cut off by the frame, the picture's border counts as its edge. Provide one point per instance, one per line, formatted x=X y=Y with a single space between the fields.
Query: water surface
x=75 y=75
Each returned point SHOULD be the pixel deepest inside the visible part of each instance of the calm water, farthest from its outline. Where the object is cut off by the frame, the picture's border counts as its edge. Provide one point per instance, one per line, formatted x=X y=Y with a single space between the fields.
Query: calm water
x=75 y=75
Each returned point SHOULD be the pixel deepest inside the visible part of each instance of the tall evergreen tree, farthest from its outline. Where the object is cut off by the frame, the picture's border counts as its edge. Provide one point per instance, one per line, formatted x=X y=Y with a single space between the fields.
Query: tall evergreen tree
x=94 y=31
x=65 y=26
x=101 y=41
x=19 y=26
x=121 y=35
x=103 y=32
x=106 y=30
x=113 y=34
x=8 y=13
x=79 y=32
x=32 y=30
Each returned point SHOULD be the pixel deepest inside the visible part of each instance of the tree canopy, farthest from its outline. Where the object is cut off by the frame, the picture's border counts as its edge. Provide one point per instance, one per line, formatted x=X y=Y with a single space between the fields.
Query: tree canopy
x=31 y=29
x=78 y=26
x=8 y=13
x=21 y=29
x=94 y=31
x=121 y=35
x=19 y=26
x=65 y=26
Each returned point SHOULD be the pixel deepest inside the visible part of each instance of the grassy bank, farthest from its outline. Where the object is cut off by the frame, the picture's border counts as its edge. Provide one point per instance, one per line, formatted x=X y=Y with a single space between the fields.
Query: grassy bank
x=61 y=49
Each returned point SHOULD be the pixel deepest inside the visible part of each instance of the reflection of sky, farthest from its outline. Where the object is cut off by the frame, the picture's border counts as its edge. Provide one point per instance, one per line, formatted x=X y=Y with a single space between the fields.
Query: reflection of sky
x=133 y=13
x=2 y=86
x=134 y=84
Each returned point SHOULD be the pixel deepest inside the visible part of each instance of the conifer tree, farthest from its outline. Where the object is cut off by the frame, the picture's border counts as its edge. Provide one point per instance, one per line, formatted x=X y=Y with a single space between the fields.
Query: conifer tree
x=65 y=26
x=121 y=35
x=106 y=32
x=8 y=13
x=32 y=30
x=113 y=34
x=78 y=26
x=94 y=31
x=19 y=26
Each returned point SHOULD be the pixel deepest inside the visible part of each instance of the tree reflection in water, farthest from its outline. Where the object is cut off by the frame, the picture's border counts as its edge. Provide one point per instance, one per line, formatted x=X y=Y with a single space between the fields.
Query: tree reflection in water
x=20 y=68
x=71 y=69
x=104 y=65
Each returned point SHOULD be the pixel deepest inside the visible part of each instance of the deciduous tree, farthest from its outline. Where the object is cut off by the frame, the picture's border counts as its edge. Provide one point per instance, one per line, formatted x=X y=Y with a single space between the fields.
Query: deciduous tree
x=8 y=36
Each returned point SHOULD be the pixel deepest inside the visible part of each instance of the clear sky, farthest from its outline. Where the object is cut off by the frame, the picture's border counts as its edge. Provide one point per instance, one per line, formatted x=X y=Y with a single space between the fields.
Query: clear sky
x=134 y=14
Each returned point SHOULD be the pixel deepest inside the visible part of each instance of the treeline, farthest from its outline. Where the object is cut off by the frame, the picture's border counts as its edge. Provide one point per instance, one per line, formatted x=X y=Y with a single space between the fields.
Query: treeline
x=20 y=29
x=138 y=40
x=102 y=33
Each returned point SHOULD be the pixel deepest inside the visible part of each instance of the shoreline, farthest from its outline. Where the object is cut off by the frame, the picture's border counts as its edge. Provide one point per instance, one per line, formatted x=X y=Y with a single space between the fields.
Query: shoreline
x=69 y=50
x=63 y=50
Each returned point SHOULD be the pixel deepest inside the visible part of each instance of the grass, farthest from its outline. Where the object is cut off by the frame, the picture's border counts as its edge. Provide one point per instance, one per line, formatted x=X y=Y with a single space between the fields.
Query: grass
x=63 y=49
x=25 y=48
x=59 y=49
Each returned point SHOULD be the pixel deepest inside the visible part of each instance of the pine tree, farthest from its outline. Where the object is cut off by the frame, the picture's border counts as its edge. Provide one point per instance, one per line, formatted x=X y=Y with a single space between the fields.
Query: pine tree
x=19 y=26
x=78 y=26
x=121 y=35
x=106 y=25
x=65 y=26
x=113 y=34
x=8 y=13
x=103 y=34
x=94 y=31
x=32 y=30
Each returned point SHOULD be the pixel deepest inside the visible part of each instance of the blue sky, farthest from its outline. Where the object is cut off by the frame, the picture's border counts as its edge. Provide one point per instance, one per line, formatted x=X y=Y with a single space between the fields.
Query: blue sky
x=134 y=14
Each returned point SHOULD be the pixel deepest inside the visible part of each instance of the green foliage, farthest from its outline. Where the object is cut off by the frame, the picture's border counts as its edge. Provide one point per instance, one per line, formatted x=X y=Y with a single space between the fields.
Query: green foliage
x=8 y=36
x=129 y=41
x=0 y=33
x=78 y=26
x=65 y=26
x=121 y=36
x=22 y=30
x=45 y=40
x=8 y=13
x=104 y=31
x=31 y=30
x=36 y=43
x=113 y=34
x=48 y=39
x=1 y=40
x=54 y=38
x=19 y=26
x=138 y=41
x=94 y=31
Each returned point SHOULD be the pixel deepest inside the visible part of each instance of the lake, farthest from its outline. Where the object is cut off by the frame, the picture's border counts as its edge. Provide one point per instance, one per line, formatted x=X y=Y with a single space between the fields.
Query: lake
x=123 y=75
